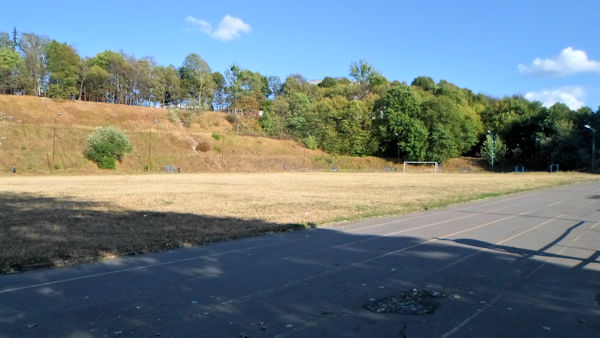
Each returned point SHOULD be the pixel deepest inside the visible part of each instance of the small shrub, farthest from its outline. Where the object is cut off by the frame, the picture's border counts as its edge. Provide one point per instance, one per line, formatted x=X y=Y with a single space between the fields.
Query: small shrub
x=173 y=116
x=232 y=118
x=186 y=117
x=216 y=136
x=310 y=142
x=57 y=166
x=106 y=145
x=217 y=149
x=203 y=146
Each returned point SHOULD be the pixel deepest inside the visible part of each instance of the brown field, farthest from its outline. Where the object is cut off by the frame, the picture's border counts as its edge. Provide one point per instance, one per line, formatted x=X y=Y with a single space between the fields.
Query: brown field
x=64 y=220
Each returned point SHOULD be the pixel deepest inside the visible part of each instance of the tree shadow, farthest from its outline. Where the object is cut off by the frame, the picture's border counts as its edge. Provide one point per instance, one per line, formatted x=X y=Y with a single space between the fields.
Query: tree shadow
x=526 y=253
x=43 y=232
x=299 y=283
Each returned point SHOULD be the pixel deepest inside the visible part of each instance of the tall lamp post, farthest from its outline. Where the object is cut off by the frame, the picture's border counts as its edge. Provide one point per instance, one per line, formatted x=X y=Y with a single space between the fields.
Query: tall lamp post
x=593 y=143
x=150 y=144
x=398 y=147
x=493 y=150
x=54 y=137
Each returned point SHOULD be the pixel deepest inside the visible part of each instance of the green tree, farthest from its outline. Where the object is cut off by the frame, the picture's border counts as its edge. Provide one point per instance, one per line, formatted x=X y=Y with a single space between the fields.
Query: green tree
x=330 y=87
x=425 y=82
x=459 y=123
x=219 y=91
x=11 y=69
x=561 y=137
x=327 y=82
x=299 y=108
x=281 y=107
x=275 y=85
x=440 y=144
x=493 y=147
x=362 y=71
x=449 y=90
x=271 y=123
x=366 y=77
x=341 y=126
x=166 y=85
x=196 y=79
x=379 y=85
x=141 y=81
x=5 y=41
x=297 y=83
x=411 y=137
x=399 y=125
x=96 y=83
x=33 y=48
x=118 y=68
x=402 y=99
x=324 y=124
x=63 y=65
x=106 y=145
x=242 y=82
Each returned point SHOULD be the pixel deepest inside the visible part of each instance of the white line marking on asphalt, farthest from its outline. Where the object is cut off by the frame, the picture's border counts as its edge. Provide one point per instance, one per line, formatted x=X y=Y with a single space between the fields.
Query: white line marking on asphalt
x=499 y=296
x=479 y=251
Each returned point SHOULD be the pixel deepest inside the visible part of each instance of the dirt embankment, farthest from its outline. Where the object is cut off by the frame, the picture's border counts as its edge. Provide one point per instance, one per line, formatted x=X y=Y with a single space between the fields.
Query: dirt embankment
x=42 y=136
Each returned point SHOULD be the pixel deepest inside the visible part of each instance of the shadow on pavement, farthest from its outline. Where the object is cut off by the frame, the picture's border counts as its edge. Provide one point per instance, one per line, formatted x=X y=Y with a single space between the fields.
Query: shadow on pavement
x=303 y=283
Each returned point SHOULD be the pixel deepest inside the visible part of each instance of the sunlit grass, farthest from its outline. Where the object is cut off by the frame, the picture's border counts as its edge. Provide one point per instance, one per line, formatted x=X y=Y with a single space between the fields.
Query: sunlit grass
x=81 y=218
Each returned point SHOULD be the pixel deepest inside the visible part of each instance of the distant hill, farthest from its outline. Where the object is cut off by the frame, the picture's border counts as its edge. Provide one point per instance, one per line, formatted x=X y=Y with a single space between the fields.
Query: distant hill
x=29 y=121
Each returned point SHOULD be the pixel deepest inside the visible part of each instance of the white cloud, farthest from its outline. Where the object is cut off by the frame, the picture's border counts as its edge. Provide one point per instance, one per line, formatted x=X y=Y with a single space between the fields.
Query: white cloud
x=228 y=29
x=571 y=96
x=202 y=25
x=569 y=61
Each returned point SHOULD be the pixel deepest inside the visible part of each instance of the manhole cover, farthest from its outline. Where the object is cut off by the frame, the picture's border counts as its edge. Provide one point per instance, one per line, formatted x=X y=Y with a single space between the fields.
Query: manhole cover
x=418 y=302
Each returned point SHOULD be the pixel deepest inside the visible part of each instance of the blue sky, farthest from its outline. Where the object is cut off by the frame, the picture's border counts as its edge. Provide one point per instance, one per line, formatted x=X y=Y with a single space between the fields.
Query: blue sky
x=546 y=50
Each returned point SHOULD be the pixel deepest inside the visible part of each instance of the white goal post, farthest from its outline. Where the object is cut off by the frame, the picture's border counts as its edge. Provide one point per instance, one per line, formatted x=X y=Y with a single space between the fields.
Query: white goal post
x=420 y=162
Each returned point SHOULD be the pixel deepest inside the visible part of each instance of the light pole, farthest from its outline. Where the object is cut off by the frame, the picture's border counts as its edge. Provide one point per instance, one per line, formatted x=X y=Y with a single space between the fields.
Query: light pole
x=150 y=144
x=493 y=150
x=54 y=137
x=4 y=116
x=593 y=143
x=398 y=147
x=223 y=152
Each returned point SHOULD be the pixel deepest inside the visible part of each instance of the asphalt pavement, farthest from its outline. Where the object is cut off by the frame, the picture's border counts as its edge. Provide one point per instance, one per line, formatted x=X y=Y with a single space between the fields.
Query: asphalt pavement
x=525 y=265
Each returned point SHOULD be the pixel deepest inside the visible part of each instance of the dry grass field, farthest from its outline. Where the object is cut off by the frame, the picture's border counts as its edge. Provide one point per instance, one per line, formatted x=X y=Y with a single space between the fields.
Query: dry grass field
x=63 y=220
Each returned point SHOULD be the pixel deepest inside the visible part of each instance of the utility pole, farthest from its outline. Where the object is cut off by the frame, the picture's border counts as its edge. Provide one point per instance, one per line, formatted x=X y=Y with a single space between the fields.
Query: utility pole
x=493 y=150
x=593 y=143
x=54 y=138
x=150 y=144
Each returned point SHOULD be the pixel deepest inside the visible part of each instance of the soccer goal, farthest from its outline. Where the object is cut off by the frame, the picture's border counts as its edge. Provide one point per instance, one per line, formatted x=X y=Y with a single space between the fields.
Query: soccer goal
x=420 y=166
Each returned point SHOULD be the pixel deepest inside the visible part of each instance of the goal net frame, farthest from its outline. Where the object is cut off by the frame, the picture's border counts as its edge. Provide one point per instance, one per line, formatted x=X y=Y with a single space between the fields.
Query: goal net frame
x=420 y=162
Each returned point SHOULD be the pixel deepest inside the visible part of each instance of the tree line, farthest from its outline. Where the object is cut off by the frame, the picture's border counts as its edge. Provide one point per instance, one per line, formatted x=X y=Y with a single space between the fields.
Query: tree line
x=363 y=114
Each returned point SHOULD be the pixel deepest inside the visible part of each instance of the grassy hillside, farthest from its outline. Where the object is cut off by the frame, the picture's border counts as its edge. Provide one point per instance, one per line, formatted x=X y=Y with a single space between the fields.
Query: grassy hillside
x=29 y=138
